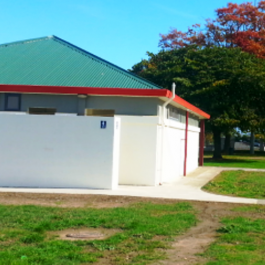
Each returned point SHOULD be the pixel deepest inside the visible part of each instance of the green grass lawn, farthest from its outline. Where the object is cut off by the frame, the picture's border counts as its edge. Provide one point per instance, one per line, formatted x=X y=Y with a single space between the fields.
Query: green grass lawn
x=240 y=240
x=239 y=159
x=238 y=183
x=145 y=232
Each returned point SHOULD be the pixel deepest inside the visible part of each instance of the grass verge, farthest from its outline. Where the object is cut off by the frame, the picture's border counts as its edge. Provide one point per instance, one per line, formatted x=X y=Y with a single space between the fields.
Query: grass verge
x=145 y=231
x=238 y=183
x=239 y=159
x=240 y=241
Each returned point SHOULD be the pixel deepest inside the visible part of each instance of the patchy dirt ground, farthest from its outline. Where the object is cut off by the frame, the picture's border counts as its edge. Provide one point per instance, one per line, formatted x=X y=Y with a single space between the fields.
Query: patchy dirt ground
x=185 y=247
x=83 y=234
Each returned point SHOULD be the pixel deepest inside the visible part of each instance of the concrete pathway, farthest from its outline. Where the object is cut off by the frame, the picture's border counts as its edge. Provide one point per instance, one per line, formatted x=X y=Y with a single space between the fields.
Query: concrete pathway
x=187 y=188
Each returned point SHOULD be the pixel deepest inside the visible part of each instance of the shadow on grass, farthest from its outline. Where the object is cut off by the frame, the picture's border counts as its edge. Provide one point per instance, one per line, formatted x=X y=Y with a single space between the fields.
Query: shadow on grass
x=229 y=161
x=240 y=153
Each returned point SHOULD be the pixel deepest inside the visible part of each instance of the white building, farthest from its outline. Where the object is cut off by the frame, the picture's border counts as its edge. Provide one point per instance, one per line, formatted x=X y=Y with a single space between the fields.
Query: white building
x=146 y=142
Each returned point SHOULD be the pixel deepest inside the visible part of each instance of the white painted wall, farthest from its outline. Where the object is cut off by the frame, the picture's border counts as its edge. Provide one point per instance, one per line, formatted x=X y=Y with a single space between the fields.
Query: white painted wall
x=147 y=160
x=193 y=148
x=59 y=151
x=173 y=153
x=138 y=150
x=73 y=151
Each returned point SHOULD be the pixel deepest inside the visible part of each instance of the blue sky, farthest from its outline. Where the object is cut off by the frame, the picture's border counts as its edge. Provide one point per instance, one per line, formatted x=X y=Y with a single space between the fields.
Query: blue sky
x=120 y=31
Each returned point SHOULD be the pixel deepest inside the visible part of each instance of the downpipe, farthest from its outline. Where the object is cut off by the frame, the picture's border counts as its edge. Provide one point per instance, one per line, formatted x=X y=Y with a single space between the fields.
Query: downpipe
x=163 y=122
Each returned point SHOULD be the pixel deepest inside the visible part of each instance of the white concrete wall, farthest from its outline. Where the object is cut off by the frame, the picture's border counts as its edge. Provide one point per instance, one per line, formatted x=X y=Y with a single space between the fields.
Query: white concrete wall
x=138 y=150
x=72 y=151
x=58 y=151
x=173 y=151
x=116 y=152
x=147 y=160
x=193 y=148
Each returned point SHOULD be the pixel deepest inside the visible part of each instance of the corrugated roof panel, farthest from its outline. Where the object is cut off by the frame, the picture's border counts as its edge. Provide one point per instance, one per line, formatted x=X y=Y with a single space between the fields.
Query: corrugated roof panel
x=51 y=61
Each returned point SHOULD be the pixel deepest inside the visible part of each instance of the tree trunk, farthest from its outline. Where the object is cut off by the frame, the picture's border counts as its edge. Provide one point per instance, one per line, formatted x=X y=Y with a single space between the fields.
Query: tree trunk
x=227 y=143
x=217 y=154
x=252 y=140
x=261 y=147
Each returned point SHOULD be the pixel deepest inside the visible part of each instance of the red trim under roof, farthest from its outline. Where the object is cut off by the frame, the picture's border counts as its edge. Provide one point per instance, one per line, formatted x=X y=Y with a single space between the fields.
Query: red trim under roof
x=129 y=92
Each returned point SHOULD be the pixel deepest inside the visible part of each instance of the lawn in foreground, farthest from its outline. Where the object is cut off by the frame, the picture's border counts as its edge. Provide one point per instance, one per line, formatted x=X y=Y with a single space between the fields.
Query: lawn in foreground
x=238 y=183
x=240 y=240
x=145 y=230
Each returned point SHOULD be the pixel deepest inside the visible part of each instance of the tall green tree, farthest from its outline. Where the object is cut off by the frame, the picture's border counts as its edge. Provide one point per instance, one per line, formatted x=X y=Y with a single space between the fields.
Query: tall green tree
x=226 y=83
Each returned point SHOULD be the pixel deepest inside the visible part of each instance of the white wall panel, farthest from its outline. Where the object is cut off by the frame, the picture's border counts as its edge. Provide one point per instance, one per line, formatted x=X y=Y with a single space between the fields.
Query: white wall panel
x=73 y=151
x=173 y=154
x=58 y=151
x=147 y=160
x=174 y=150
x=193 y=148
x=138 y=150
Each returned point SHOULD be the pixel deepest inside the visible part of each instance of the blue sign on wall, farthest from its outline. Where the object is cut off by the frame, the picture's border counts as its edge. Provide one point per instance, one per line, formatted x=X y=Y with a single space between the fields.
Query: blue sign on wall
x=103 y=124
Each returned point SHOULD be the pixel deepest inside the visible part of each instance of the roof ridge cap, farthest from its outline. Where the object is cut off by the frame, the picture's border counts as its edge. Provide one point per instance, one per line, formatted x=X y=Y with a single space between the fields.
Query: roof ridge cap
x=25 y=41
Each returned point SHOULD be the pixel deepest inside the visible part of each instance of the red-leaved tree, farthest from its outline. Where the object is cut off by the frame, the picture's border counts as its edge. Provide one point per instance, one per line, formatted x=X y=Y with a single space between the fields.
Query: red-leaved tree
x=235 y=26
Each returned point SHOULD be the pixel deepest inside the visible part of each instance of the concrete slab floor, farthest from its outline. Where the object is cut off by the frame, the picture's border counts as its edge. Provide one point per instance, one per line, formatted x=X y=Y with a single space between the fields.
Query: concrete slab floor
x=187 y=188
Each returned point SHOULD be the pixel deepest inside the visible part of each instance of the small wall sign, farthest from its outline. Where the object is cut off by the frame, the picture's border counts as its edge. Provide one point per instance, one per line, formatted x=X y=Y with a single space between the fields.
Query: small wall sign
x=103 y=124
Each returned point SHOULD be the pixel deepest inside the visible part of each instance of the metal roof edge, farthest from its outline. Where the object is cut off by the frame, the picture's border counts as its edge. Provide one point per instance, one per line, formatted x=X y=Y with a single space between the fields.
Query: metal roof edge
x=190 y=107
x=25 y=41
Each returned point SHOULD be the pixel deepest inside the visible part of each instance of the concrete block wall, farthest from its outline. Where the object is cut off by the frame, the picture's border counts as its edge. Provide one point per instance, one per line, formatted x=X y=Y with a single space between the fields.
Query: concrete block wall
x=173 y=153
x=59 y=151
x=193 y=148
x=151 y=155
x=138 y=150
x=70 y=151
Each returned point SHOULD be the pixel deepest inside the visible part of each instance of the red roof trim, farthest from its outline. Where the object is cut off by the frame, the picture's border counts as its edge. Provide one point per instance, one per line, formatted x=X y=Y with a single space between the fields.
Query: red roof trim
x=191 y=107
x=101 y=91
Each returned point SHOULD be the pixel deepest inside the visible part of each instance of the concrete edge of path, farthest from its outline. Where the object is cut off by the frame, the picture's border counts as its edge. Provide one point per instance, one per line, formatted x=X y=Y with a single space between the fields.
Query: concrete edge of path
x=209 y=173
x=187 y=188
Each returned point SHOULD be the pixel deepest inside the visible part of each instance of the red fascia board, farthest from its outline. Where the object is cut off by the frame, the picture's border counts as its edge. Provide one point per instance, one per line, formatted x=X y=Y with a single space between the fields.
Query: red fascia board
x=109 y=91
x=106 y=91
x=191 y=107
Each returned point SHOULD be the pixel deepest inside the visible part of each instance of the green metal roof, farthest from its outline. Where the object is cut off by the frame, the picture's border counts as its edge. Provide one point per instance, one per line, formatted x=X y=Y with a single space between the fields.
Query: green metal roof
x=51 y=61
